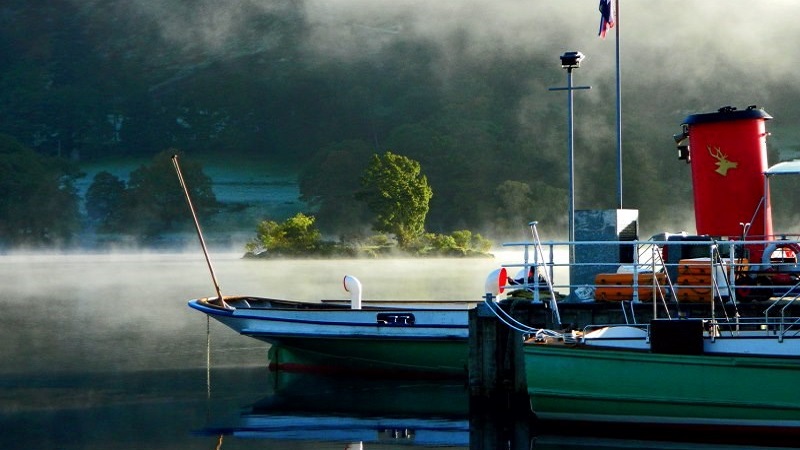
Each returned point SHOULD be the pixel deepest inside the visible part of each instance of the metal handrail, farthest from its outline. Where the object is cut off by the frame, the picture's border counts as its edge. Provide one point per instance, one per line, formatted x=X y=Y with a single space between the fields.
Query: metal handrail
x=648 y=259
x=638 y=267
x=528 y=268
x=783 y=329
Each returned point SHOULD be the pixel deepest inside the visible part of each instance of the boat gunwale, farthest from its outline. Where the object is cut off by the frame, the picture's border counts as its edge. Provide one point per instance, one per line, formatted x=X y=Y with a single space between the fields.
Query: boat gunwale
x=290 y=305
x=636 y=354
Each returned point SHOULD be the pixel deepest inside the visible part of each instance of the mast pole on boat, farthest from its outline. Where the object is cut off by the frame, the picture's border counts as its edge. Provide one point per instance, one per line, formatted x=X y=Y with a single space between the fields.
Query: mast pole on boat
x=197 y=228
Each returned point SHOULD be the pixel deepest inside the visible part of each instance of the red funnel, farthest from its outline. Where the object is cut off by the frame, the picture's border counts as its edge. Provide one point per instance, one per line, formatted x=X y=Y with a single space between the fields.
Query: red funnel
x=728 y=154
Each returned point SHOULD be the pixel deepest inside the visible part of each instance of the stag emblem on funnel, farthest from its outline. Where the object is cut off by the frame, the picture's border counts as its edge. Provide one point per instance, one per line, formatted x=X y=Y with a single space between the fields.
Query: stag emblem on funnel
x=723 y=164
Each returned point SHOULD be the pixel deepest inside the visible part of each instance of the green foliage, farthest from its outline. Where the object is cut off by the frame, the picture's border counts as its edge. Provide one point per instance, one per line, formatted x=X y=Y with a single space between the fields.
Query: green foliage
x=395 y=189
x=329 y=183
x=156 y=202
x=437 y=243
x=458 y=243
x=374 y=246
x=471 y=241
x=105 y=201
x=295 y=236
x=38 y=200
x=153 y=201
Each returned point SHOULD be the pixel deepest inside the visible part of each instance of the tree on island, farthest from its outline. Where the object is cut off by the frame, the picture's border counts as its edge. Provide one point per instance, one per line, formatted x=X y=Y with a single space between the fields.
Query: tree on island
x=297 y=235
x=397 y=192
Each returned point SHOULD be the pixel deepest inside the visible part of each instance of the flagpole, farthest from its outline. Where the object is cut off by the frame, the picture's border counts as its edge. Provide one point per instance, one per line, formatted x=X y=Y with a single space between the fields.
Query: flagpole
x=619 y=109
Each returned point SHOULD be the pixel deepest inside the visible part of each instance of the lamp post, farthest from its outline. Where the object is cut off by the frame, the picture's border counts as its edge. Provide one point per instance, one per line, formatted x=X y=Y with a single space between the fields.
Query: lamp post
x=570 y=61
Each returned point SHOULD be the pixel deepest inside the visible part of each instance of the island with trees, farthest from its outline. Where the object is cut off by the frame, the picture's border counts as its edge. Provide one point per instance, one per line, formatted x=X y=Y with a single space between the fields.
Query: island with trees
x=397 y=193
x=40 y=208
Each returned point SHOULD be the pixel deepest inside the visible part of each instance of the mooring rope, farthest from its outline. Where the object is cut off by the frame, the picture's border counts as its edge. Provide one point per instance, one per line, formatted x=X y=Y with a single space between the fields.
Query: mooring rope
x=208 y=357
x=516 y=325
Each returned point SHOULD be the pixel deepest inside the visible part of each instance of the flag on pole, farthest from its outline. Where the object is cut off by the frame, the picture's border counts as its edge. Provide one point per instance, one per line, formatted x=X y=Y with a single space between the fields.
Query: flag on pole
x=606 y=17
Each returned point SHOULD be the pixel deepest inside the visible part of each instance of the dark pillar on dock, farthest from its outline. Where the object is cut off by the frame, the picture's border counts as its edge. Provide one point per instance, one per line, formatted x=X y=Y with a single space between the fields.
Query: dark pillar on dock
x=611 y=225
x=499 y=403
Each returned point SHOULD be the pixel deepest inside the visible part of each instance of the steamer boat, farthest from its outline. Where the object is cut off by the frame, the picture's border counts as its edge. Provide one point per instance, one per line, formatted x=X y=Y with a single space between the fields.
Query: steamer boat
x=722 y=370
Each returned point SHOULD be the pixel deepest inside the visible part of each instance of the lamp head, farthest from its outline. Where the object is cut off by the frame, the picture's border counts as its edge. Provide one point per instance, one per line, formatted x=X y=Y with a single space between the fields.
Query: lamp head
x=571 y=60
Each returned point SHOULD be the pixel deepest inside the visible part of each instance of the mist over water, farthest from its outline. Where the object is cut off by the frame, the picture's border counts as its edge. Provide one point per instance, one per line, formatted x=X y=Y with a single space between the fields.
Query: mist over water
x=97 y=313
x=102 y=351
x=128 y=311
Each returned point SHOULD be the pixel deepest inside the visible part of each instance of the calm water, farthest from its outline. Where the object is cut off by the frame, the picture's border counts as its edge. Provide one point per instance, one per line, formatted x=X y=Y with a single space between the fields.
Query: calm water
x=101 y=351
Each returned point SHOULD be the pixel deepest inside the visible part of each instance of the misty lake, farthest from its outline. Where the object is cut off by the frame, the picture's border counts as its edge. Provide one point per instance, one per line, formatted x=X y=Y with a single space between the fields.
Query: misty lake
x=101 y=351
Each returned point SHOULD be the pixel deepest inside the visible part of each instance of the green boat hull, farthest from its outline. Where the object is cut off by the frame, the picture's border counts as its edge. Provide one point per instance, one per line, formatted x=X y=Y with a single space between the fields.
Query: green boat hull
x=430 y=358
x=584 y=384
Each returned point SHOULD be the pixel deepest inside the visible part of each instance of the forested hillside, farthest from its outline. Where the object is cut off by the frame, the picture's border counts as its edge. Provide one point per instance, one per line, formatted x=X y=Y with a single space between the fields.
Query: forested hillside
x=324 y=86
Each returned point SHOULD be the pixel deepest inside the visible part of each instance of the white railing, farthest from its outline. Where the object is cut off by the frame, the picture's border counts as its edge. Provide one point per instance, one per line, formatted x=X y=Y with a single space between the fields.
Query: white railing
x=729 y=277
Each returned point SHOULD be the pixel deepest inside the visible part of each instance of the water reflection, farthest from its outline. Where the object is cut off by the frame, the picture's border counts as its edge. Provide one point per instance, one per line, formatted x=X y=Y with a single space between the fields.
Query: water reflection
x=372 y=413
x=252 y=408
x=354 y=411
x=322 y=411
x=120 y=410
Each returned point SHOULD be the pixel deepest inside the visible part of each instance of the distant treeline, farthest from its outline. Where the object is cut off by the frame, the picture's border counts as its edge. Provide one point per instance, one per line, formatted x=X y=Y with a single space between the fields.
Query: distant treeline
x=39 y=208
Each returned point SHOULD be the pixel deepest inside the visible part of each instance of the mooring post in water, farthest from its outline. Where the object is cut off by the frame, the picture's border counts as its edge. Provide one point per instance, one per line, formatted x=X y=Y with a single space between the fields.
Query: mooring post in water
x=496 y=364
x=499 y=402
x=199 y=232
x=482 y=351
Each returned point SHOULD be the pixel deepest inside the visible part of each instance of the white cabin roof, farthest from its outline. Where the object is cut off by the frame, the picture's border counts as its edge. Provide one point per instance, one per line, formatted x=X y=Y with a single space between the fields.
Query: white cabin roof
x=784 y=168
